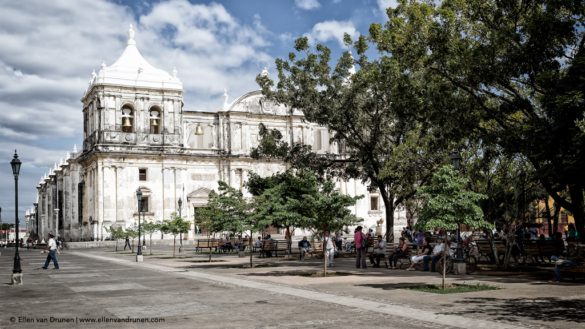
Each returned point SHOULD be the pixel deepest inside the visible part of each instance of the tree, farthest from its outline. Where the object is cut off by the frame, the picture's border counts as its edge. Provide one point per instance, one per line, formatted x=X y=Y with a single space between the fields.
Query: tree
x=149 y=228
x=511 y=73
x=329 y=211
x=228 y=211
x=175 y=226
x=298 y=199
x=366 y=104
x=278 y=199
x=447 y=204
x=116 y=233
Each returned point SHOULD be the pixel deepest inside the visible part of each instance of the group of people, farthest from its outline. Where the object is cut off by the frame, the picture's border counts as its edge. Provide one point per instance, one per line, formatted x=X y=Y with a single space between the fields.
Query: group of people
x=330 y=245
x=424 y=253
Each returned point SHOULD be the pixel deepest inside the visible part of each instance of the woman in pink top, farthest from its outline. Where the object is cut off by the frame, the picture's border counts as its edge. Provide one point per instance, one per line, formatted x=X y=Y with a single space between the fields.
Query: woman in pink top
x=358 y=237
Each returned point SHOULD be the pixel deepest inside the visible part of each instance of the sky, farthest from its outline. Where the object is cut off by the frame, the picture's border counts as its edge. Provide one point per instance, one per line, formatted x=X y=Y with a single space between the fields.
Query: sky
x=50 y=48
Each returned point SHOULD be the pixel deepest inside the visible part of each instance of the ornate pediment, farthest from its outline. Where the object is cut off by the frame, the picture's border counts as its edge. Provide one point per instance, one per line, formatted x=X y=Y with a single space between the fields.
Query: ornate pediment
x=199 y=196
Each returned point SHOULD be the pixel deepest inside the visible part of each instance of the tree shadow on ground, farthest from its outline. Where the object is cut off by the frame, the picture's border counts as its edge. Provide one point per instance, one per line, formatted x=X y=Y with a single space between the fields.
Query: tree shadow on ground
x=391 y=286
x=222 y=265
x=311 y=273
x=548 y=309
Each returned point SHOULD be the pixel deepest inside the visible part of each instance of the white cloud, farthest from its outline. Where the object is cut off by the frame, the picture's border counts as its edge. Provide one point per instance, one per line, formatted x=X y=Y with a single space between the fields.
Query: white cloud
x=384 y=4
x=307 y=4
x=333 y=30
x=49 y=49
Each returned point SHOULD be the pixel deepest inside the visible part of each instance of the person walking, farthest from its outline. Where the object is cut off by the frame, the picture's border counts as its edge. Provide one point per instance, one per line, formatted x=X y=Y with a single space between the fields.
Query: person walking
x=359 y=239
x=127 y=244
x=329 y=248
x=52 y=248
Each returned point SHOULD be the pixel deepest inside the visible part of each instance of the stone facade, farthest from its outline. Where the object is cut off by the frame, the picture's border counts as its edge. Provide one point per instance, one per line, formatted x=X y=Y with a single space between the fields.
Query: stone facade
x=137 y=135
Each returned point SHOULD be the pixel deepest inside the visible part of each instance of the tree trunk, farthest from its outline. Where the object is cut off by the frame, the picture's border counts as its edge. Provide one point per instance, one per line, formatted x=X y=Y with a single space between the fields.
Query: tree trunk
x=250 y=248
x=446 y=248
x=116 y=245
x=548 y=217
x=576 y=193
x=150 y=245
x=324 y=259
x=556 y=215
x=388 y=199
x=209 y=245
x=174 y=243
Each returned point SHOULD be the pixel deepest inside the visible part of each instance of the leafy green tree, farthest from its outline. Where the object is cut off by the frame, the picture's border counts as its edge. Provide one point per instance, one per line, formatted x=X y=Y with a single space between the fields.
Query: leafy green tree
x=278 y=199
x=297 y=199
x=509 y=73
x=149 y=228
x=116 y=233
x=447 y=204
x=329 y=211
x=368 y=107
x=228 y=210
x=175 y=226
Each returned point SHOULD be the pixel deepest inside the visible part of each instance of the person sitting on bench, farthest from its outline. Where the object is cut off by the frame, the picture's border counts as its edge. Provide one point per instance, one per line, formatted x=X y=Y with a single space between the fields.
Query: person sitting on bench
x=401 y=251
x=304 y=247
x=379 y=252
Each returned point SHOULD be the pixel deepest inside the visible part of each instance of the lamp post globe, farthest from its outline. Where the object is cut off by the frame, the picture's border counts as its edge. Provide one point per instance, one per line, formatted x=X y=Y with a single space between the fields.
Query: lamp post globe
x=16 y=269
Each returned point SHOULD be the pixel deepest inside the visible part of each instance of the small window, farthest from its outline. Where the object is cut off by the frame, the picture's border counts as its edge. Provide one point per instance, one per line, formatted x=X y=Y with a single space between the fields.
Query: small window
x=374 y=203
x=142 y=174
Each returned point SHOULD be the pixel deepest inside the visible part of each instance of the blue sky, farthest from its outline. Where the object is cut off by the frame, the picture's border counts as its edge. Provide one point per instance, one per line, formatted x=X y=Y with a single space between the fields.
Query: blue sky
x=49 y=49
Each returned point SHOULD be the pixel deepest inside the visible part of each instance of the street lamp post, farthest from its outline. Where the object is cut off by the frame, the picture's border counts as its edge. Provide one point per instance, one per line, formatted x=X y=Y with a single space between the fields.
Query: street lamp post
x=16 y=270
x=139 y=257
x=180 y=202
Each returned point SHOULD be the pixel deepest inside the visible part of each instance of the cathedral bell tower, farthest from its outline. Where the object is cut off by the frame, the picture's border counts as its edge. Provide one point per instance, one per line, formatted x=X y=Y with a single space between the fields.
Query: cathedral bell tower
x=131 y=103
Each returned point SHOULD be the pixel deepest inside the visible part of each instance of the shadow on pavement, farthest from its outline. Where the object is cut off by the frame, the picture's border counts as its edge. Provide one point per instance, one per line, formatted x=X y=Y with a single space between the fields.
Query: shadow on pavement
x=311 y=273
x=223 y=265
x=544 y=309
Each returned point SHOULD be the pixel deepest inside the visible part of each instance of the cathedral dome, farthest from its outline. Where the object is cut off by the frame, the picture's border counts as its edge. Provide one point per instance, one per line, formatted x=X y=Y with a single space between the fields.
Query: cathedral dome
x=132 y=70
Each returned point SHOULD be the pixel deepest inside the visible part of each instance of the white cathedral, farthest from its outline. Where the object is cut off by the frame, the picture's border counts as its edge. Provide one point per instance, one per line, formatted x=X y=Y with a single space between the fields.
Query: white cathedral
x=138 y=135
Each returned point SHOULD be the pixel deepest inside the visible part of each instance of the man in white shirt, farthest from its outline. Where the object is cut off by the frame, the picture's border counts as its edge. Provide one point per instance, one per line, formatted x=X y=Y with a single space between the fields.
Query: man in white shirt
x=434 y=257
x=52 y=247
x=379 y=252
x=329 y=248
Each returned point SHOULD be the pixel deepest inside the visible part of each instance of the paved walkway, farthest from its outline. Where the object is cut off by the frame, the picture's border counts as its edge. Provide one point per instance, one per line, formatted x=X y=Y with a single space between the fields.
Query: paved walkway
x=109 y=284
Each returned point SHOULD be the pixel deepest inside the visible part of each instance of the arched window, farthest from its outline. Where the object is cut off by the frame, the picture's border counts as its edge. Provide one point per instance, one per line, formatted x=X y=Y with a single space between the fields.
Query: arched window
x=127 y=119
x=155 y=120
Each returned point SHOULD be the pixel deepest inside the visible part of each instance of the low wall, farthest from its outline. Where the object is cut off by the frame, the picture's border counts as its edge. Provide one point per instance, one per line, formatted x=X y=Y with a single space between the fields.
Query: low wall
x=112 y=244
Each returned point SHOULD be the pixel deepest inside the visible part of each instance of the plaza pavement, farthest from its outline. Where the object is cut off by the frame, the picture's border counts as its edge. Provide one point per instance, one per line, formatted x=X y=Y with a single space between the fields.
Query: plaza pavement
x=188 y=292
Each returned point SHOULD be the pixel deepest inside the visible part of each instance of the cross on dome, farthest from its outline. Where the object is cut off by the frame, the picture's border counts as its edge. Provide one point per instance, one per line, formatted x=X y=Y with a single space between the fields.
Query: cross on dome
x=131 y=40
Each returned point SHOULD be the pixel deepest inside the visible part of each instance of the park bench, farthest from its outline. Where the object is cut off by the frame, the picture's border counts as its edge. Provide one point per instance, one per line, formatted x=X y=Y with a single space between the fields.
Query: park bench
x=530 y=252
x=549 y=248
x=402 y=259
x=315 y=251
x=40 y=246
x=484 y=248
x=211 y=244
x=274 y=246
